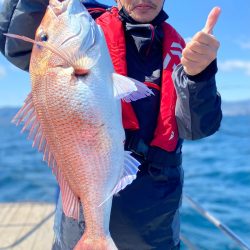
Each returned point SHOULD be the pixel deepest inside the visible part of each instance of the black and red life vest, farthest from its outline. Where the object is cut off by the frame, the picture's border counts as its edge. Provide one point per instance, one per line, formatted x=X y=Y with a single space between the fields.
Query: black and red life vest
x=166 y=132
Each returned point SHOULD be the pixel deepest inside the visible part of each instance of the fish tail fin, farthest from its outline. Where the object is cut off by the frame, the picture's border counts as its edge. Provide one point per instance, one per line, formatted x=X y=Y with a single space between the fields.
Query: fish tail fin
x=93 y=243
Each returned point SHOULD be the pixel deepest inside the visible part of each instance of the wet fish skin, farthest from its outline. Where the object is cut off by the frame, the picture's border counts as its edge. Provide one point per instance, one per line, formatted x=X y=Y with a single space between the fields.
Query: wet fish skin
x=74 y=116
x=91 y=133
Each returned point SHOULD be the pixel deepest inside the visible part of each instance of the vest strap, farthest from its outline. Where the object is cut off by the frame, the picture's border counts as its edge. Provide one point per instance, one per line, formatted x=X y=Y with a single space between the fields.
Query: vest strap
x=153 y=85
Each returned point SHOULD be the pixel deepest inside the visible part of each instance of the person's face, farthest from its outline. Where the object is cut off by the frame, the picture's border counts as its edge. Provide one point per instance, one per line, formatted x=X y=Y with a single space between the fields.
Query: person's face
x=142 y=11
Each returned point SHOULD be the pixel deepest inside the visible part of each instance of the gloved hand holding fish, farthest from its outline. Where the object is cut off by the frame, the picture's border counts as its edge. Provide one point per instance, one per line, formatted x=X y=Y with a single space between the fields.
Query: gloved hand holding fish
x=73 y=115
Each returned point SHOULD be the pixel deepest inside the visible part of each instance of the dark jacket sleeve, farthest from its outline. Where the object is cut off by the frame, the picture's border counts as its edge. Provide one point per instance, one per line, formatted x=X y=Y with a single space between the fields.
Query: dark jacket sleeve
x=198 y=108
x=20 y=17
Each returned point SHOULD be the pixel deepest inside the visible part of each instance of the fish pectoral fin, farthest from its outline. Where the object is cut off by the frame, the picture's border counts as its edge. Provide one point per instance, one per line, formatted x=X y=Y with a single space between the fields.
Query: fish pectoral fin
x=129 y=174
x=84 y=64
x=88 y=60
x=129 y=89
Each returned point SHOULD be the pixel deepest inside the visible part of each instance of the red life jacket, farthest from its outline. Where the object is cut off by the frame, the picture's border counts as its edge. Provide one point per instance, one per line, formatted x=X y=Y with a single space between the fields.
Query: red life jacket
x=166 y=133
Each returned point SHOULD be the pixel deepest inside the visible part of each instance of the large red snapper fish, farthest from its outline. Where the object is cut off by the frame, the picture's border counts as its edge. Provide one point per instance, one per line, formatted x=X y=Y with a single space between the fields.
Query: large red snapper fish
x=73 y=115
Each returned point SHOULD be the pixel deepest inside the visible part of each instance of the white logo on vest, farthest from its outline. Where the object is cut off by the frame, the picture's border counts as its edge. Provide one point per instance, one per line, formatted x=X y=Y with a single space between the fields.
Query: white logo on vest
x=175 y=50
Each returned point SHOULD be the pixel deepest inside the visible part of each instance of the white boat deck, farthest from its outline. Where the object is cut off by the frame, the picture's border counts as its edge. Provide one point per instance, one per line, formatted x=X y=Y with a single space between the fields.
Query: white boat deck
x=26 y=226
x=29 y=226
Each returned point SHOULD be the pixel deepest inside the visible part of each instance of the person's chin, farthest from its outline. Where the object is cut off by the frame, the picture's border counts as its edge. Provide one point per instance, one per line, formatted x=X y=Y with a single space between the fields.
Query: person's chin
x=143 y=17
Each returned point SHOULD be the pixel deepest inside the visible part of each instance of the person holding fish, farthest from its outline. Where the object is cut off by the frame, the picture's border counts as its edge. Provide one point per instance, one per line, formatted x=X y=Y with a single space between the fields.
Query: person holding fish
x=180 y=102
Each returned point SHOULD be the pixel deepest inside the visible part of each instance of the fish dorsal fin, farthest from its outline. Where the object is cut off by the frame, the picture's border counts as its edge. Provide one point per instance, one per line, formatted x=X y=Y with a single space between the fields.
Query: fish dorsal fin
x=70 y=202
x=27 y=115
x=129 y=89
x=129 y=174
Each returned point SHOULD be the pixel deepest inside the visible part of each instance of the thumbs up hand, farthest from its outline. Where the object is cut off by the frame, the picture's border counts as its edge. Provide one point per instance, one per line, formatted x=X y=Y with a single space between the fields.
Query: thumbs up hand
x=203 y=47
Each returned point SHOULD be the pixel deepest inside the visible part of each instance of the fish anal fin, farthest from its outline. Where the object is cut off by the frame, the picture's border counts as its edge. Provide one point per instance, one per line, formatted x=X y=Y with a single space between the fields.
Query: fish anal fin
x=129 y=174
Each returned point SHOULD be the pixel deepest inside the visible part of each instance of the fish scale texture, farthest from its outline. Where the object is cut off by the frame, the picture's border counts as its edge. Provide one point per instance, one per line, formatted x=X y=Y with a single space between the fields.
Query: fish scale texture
x=87 y=146
x=76 y=120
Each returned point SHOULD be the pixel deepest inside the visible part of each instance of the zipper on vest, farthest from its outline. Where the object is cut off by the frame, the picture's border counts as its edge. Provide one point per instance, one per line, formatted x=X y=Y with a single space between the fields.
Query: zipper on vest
x=152 y=38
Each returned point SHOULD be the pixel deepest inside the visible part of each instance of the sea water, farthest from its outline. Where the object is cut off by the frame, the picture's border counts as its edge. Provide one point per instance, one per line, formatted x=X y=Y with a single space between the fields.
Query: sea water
x=217 y=176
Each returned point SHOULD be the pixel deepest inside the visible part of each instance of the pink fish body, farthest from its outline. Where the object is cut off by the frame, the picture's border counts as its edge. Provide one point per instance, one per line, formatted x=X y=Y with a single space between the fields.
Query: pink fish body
x=73 y=115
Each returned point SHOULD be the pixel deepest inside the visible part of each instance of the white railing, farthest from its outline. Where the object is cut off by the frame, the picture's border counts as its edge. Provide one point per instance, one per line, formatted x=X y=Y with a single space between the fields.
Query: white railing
x=207 y=215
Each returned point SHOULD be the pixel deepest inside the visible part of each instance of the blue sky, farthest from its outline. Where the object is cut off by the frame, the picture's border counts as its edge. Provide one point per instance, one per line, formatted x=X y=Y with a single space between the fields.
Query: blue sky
x=188 y=17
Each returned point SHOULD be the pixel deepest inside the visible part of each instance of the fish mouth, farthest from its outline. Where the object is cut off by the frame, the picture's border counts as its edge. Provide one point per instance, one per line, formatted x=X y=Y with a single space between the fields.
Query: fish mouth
x=73 y=10
x=58 y=7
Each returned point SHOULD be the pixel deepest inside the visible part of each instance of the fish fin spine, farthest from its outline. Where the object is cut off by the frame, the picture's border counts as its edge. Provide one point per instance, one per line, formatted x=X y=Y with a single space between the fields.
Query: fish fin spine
x=27 y=116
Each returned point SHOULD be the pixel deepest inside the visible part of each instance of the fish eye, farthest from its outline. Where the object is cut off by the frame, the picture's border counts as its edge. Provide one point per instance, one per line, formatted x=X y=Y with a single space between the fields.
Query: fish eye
x=42 y=35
